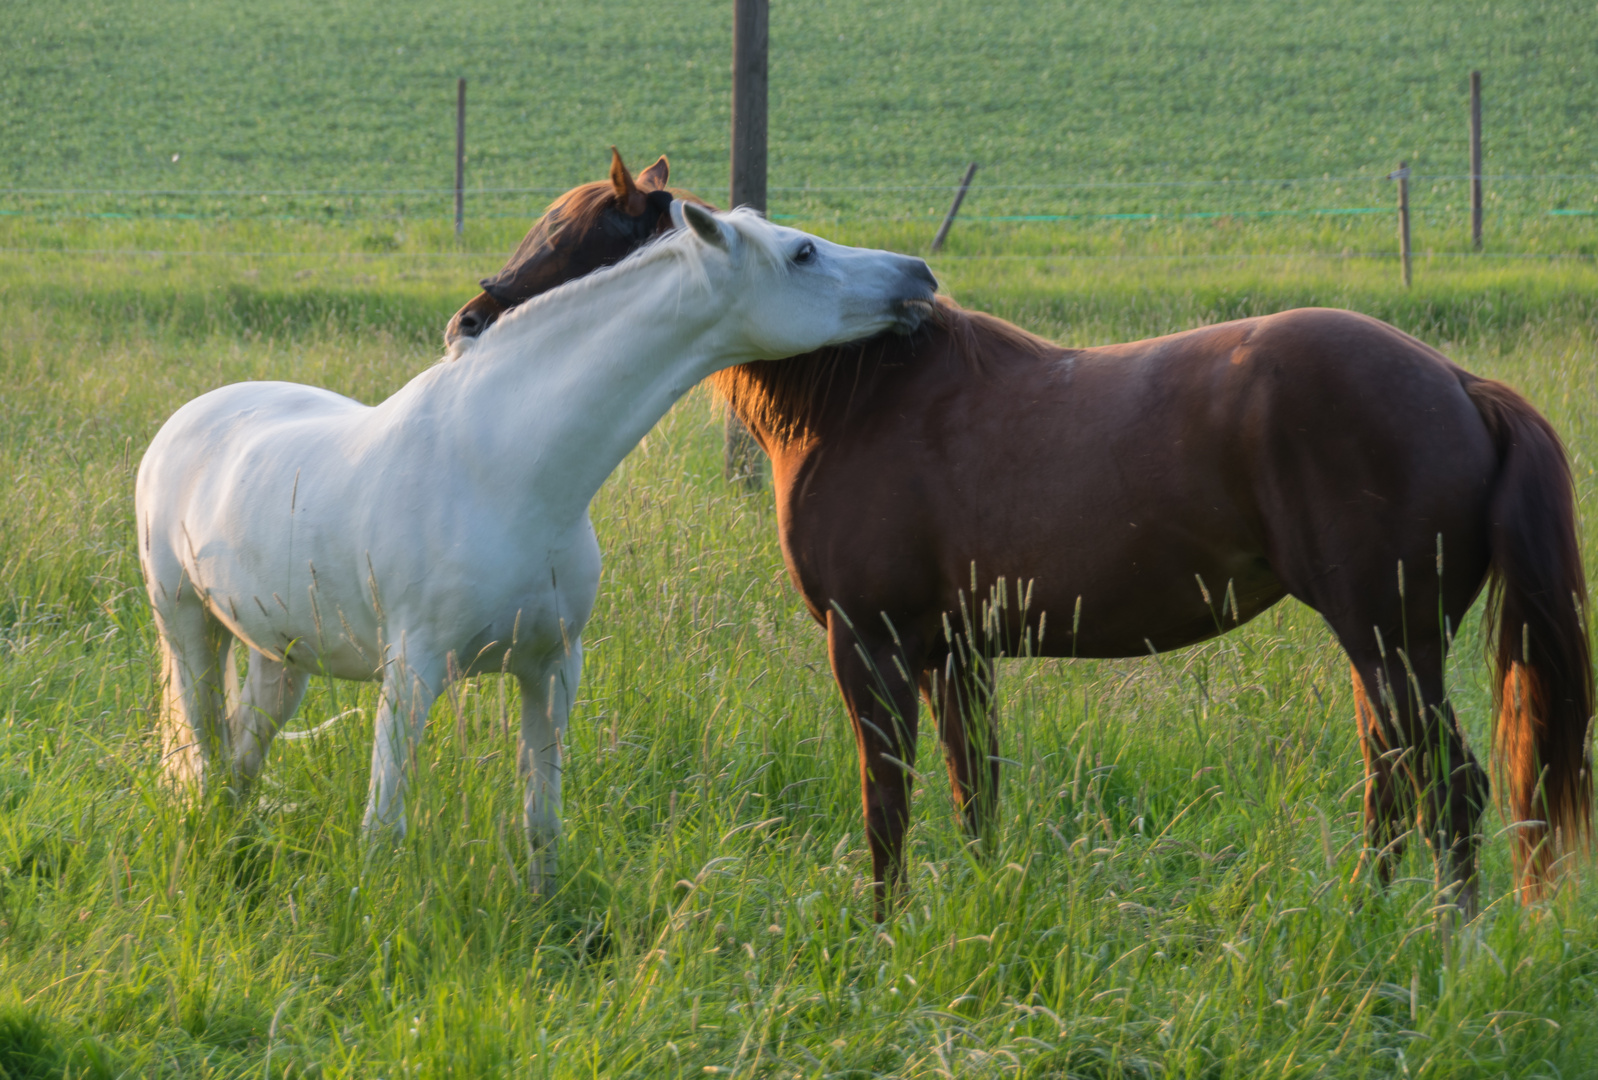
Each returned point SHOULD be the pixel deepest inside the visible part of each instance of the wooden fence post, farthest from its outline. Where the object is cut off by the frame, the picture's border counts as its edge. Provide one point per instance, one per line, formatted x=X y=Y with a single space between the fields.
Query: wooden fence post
x=749 y=41
x=1401 y=174
x=460 y=157
x=954 y=208
x=741 y=455
x=1475 y=159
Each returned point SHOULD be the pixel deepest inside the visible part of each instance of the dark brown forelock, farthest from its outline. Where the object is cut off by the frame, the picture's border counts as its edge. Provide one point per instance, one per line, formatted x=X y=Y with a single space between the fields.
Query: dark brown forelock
x=578 y=210
x=788 y=400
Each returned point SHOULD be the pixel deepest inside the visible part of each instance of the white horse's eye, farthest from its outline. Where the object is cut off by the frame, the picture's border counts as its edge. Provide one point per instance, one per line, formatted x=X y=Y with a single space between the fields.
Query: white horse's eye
x=806 y=252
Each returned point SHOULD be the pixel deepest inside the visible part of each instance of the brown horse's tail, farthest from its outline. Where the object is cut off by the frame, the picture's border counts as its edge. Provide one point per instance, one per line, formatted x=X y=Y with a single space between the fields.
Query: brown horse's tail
x=1536 y=600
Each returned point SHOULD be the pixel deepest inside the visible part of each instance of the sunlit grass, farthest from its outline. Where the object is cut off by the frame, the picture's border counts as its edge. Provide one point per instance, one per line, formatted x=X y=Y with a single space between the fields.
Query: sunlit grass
x=1168 y=890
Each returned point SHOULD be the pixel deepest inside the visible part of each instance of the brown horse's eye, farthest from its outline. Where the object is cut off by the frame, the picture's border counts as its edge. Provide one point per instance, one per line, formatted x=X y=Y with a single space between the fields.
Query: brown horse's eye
x=806 y=252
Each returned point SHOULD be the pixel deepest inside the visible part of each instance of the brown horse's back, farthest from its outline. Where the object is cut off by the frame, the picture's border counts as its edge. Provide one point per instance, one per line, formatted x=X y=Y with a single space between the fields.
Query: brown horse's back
x=1253 y=456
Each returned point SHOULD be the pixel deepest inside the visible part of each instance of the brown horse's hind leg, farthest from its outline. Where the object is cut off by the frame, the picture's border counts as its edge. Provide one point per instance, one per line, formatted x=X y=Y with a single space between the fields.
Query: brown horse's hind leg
x=873 y=677
x=1389 y=801
x=961 y=700
x=1409 y=714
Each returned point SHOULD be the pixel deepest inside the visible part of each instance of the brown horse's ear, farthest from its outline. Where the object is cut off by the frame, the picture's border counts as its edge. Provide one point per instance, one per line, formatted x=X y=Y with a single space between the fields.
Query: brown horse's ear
x=654 y=177
x=627 y=193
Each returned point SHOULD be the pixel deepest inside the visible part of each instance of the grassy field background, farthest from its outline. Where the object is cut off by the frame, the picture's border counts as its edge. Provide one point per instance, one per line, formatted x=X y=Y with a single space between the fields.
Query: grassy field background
x=1169 y=895
x=358 y=97
x=1169 y=891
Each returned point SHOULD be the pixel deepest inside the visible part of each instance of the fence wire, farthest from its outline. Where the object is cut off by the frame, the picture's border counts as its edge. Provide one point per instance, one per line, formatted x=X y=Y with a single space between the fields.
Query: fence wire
x=817 y=188
x=1128 y=256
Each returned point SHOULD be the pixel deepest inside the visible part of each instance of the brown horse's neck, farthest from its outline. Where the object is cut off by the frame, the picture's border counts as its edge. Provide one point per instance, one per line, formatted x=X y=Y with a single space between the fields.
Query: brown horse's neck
x=784 y=402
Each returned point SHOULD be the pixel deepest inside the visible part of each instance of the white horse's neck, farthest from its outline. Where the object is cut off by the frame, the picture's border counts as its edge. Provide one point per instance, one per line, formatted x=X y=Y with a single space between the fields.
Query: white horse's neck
x=560 y=393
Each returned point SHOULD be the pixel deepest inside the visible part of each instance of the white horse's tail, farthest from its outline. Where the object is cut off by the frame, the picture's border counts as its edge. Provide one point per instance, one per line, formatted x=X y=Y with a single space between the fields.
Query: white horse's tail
x=311 y=733
x=182 y=763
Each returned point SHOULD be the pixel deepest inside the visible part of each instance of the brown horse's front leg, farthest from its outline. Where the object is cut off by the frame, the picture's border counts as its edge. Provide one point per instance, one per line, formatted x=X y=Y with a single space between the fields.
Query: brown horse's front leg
x=961 y=700
x=882 y=708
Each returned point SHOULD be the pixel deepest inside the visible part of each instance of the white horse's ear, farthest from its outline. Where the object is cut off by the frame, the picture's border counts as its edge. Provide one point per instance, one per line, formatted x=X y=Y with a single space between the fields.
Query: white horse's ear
x=677 y=221
x=708 y=228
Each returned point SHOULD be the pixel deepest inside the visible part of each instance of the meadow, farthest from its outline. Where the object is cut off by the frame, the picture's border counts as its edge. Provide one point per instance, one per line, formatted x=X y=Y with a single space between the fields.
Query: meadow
x=295 y=108
x=1168 y=892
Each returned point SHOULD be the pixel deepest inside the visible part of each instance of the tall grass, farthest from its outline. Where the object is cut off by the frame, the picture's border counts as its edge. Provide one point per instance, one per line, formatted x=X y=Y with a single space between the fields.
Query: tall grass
x=1168 y=890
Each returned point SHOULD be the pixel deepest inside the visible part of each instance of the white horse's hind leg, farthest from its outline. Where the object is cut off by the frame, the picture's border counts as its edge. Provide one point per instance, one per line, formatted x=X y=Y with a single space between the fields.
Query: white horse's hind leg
x=194 y=656
x=546 y=705
x=272 y=692
x=408 y=695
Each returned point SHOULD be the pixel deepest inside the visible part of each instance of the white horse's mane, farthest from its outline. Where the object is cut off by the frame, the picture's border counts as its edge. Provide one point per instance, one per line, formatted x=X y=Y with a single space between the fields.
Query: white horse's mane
x=751 y=227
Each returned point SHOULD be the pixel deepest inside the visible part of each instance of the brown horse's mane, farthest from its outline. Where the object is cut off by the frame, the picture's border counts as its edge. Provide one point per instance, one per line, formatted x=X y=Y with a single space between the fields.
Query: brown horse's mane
x=782 y=401
x=579 y=208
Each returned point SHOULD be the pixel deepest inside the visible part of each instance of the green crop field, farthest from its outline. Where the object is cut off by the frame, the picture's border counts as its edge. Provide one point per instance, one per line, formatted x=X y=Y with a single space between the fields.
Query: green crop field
x=869 y=105
x=1168 y=894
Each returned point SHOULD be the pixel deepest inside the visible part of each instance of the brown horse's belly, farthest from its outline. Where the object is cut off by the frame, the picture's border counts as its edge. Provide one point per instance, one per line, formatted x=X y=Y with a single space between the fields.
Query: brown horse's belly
x=1118 y=486
x=1098 y=594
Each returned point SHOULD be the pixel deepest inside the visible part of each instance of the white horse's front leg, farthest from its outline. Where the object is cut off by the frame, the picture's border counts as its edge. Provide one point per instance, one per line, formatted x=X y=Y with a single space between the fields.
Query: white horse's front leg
x=409 y=691
x=546 y=704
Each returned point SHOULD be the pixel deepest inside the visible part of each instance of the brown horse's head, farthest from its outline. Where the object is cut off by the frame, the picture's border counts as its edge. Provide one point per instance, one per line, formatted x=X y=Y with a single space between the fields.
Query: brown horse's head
x=589 y=227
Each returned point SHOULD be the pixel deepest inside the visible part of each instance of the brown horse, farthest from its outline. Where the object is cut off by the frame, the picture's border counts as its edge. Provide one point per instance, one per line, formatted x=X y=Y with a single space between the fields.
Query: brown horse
x=1147 y=496
x=589 y=227
x=1160 y=493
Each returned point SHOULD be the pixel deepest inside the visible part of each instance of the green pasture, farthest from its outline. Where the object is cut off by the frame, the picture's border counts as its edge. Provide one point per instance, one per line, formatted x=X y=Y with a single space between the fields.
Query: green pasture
x=354 y=102
x=1167 y=895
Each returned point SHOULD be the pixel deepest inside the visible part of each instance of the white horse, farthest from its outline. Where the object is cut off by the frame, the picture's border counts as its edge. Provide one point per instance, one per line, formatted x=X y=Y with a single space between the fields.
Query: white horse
x=445 y=532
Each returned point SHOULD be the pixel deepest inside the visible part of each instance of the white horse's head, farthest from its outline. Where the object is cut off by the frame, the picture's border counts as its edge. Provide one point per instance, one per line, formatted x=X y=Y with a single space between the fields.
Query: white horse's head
x=790 y=292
